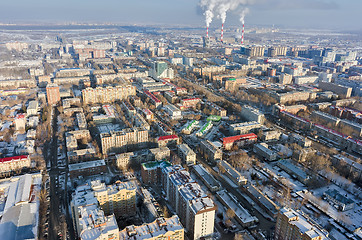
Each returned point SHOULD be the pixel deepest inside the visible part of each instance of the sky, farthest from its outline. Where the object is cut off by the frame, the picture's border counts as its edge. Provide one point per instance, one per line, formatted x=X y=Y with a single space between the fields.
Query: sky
x=316 y=14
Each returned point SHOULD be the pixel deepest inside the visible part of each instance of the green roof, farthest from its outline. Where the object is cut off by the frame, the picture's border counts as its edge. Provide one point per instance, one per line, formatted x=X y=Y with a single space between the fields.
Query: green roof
x=156 y=164
x=214 y=118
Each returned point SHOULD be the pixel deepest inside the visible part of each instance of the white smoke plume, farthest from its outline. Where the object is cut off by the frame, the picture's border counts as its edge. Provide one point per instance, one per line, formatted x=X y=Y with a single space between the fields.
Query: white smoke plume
x=243 y=13
x=221 y=7
x=209 y=6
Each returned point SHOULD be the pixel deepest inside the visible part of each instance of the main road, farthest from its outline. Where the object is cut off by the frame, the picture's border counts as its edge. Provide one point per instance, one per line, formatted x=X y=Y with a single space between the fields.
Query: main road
x=59 y=202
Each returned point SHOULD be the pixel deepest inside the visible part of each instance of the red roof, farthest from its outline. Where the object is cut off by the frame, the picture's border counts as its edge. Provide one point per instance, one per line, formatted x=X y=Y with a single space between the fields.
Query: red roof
x=167 y=137
x=7 y=159
x=232 y=139
x=191 y=99
x=20 y=115
x=152 y=96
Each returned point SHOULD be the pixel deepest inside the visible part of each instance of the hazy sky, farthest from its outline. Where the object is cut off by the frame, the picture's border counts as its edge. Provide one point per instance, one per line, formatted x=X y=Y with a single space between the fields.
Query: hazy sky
x=330 y=14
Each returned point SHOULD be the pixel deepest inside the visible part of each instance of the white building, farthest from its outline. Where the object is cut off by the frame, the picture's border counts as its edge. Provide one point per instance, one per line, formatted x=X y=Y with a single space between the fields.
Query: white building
x=195 y=209
x=89 y=220
x=32 y=108
x=20 y=205
x=173 y=111
x=252 y=114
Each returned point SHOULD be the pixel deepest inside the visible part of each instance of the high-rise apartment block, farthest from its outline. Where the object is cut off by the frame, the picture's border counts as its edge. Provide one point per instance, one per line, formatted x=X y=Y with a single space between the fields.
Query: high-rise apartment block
x=160 y=229
x=195 y=209
x=293 y=225
x=253 y=51
x=119 y=198
x=119 y=141
x=89 y=220
x=277 y=51
x=107 y=94
x=53 y=94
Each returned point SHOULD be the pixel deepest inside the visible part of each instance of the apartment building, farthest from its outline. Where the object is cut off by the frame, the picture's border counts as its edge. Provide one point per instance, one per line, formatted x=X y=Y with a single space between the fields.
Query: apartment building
x=168 y=140
x=119 y=198
x=160 y=229
x=195 y=209
x=119 y=141
x=209 y=149
x=15 y=163
x=87 y=168
x=252 y=114
x=107 y=94
x=245 y=127
x=239 y=140
x=89 y=220
x=294 y=225
x=186 y=154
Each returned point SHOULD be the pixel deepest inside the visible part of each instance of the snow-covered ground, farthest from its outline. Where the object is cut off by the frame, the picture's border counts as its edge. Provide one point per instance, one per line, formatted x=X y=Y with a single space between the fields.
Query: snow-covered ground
x=352 y=217
x=281 y=175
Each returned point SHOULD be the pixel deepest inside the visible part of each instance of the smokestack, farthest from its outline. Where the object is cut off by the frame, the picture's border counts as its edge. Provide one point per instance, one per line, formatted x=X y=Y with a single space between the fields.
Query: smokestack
x=242 y=35
x=207 y=32
x=222 y=33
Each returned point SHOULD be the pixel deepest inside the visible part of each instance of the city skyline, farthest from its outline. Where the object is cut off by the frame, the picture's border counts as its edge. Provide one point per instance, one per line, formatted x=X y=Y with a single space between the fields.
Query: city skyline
x=300 y=14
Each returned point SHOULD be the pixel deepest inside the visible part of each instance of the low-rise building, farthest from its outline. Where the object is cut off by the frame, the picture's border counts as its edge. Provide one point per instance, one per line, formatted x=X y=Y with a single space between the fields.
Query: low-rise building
x=68 y=102
x=211 y=183
x=292 y=169
x=231 y=173
x=343 y=203
x=245 y=127
x=262 y=149
x=270 y=135
x=163 y=129
x=12 y=164
x=189 y=103
x=87 y=168
x=204 y=129
x=241 y=214
x=300 y=140
x=173 y=111
x=168 y=140
x=190 y=126
x=33 y=108
x=20 y=121
x=262 y=200
x=82 y=123
x=219 y=111
x=343 y=91
x=252 y=114
x=125 y=160
x=239 y=140
x=20 y=206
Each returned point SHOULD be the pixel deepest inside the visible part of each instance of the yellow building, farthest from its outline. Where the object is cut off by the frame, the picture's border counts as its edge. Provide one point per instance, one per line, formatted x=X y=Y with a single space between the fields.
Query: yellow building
x=119 y=198
x=160 y=229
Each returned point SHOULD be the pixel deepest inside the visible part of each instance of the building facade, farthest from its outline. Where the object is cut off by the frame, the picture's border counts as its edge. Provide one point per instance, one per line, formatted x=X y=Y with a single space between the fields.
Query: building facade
x=293 y=225
x=119 y=198
x=53 y=94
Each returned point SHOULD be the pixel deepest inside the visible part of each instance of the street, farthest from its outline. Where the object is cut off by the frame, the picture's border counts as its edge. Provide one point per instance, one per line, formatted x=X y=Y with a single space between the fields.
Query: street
x=59 y=202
